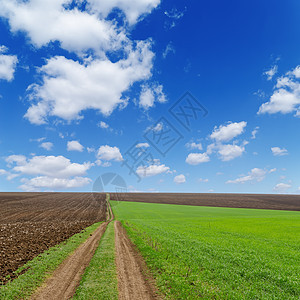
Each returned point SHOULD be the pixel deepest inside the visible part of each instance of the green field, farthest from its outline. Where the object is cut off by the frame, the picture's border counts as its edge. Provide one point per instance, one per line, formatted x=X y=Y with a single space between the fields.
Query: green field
x=209 y=252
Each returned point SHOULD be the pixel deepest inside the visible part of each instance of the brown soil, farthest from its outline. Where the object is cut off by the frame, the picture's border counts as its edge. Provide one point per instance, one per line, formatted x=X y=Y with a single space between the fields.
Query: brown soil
x=134 y=281
x=31 y=223
x=63 y=282
x=257 y=201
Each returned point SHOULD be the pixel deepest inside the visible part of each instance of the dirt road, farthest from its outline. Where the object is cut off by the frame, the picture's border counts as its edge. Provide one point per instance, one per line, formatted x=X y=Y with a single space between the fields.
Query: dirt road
x=134 y=282
x=65 y=279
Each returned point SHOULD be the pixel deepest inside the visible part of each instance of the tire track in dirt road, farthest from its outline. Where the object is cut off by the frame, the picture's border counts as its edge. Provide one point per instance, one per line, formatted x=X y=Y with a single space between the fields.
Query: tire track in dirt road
x=134 y=281
x=65 y=279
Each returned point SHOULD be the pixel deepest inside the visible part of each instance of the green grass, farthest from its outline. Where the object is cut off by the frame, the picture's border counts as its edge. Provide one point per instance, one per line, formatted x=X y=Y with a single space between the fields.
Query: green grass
x=42 y=266
x=217 y=253
x=100 y=278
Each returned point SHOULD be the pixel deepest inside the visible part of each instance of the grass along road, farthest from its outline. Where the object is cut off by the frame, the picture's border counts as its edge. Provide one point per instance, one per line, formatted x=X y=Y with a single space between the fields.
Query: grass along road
x=210 y=252
x=100 y=278
x=40 y=268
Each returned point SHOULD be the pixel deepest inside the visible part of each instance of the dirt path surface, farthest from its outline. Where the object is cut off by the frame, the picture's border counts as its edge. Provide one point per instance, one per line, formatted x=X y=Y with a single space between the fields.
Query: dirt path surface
x=65 y=279
x=134 y=282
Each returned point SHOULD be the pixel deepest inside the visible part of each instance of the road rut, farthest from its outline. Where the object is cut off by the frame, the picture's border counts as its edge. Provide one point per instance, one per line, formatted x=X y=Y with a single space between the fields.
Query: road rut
x=63 y=282
x=134 y=282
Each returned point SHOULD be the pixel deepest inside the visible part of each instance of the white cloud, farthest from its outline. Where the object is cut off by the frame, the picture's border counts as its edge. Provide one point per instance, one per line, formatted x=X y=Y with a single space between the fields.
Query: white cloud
x=8 y=64
x=37 y=140
x=151 y=94
x=175 y=13
x=279 y=151
x=179 y=179
x=229 y=152
x=203 y=180
x=286 y=96
x=3 y=172
x=157 y=128
x=194 y=145
x=169 y=49
x=142 y=145
x=70 y=87
x=254 y=132
x=44 y=182
x=270 y=73
x=90 y=149
x=47 y=146
x=132 y=9
x=47 y=21
x=173 y=16
x=9 y=176
x=3 y=49
x=109 y=153
x=50 y=166
x=18 y=159
x=273 y=170
x=67 y=87
x=74 y=146
x=225 y=133
x=152 y=170
x=197 y=158
x=255 y=175
x=281 y=187
x=103 y=125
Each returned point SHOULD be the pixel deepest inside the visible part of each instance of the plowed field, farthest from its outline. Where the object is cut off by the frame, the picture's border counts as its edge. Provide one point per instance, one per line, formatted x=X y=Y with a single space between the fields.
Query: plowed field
x=257 y=201
x=30 y=223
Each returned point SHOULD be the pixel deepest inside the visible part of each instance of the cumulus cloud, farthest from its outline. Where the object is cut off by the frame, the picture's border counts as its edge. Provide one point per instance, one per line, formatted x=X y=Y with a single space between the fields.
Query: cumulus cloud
x=47 y=146
x=286 y=96
x=174 y=15
x=151 y=94
x=67 y=87
x=53 y=172
x=8 y=64
x=153 y=169
x=51 y=166
x=142 y=145
x=108 y=153
x=203 y=180
x=103 y=125
x=179 y=179
x=197 y=158
x=277 y=151
x=281 y=187
x=47 y=21
x=229 y=152
x=74 y=146
x=254 y=132
x=270 y=73
x=194 y=145
x=18 y=159
x=255 y=175
x=169 y=49
x=70 y=87
x=44 y=182
x=225 y=133
x=132 y=9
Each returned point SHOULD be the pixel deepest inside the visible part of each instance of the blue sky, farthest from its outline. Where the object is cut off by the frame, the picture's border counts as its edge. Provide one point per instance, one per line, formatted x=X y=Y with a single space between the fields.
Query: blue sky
x=85 y=83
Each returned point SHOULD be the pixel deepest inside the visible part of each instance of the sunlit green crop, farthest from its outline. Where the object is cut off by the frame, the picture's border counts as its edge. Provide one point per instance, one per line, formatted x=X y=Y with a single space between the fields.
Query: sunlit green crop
x=211 y=252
